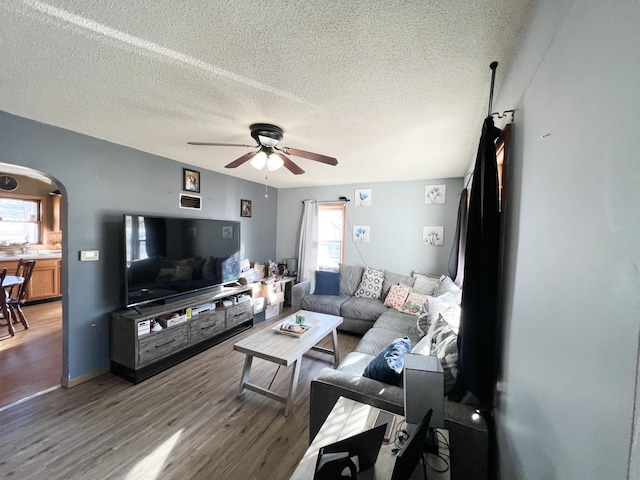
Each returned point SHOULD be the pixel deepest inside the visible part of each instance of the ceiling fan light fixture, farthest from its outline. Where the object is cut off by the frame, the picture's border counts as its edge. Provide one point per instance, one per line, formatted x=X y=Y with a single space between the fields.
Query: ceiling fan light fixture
x=259 y=160
x=274 y=162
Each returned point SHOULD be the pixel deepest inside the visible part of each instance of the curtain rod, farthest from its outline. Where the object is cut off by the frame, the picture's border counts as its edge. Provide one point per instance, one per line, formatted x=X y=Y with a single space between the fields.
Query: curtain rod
x=341 y=200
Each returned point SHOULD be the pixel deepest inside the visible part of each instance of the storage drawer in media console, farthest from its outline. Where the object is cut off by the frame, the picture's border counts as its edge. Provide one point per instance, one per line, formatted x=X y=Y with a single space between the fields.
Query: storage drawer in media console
x=206 y=325
x=160 y=345
x=240 y=313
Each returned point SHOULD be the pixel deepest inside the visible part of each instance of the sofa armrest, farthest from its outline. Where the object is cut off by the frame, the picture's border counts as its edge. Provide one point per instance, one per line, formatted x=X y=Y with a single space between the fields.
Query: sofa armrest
x=330 y=384
x=298 y=291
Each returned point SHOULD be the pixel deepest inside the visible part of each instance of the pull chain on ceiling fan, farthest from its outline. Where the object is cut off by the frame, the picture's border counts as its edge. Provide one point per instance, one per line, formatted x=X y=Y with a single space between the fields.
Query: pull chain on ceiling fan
x=269 y=155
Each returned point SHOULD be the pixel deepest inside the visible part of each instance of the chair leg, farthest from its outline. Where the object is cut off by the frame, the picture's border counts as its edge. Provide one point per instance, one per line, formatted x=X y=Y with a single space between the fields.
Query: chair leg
x=7 y=316
x=23 y=319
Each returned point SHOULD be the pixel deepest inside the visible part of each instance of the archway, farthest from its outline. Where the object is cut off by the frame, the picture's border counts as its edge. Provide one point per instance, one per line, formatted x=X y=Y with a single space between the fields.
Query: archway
x=33 y=359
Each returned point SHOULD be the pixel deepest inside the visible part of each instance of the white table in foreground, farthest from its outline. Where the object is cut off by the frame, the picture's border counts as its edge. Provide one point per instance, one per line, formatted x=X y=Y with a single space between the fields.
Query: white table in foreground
x=286 y=350
x=349 y=418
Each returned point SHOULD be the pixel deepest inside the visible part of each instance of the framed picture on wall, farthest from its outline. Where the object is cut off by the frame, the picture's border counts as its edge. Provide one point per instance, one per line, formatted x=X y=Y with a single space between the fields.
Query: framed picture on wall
x=245 y=208
x=190 y=180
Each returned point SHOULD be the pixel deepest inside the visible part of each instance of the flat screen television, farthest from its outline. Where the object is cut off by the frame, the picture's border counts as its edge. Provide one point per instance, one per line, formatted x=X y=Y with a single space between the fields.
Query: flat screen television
x=166 y=257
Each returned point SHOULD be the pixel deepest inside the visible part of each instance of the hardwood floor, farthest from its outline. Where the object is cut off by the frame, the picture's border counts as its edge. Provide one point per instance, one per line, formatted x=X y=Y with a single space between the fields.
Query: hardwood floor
x=31 y=361
x=185 y=423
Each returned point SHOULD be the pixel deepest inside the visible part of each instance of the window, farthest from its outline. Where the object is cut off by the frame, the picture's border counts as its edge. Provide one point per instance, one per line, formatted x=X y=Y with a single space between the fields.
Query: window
x=20 y=220
x=331 y=220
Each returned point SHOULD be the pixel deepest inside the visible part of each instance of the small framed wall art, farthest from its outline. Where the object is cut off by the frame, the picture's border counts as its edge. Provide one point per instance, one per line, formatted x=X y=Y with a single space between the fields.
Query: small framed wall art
x=433 y=235
x=361 y=233
x=435 y=194
x=363 y=197
x=245 y=208
x=190 y=180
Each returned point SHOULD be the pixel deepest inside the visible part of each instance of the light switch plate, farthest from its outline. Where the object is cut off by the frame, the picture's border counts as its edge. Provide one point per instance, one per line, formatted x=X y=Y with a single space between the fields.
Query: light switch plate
x=89 y=255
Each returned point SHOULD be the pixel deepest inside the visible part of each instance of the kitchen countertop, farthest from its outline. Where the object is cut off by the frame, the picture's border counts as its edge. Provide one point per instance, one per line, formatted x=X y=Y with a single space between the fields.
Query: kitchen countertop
x=28 y=256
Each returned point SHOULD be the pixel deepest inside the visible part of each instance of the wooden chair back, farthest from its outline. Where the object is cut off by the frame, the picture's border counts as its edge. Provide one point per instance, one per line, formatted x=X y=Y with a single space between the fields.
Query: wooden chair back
x=25 y=270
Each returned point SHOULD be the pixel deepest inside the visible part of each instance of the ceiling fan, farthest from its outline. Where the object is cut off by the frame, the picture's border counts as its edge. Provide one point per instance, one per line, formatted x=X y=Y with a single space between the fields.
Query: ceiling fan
x=269 y=154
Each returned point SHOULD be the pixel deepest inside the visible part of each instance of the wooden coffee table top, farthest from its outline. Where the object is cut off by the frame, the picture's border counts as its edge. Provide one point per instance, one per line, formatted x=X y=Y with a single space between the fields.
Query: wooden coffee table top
x=286 y=349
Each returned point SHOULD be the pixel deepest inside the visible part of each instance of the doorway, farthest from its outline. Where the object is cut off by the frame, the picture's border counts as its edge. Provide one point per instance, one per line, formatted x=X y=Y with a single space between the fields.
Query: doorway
x=31 y=360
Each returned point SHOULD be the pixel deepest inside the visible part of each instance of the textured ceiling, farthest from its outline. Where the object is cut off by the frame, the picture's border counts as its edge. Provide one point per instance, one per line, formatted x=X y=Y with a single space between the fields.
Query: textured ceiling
x=393 y=90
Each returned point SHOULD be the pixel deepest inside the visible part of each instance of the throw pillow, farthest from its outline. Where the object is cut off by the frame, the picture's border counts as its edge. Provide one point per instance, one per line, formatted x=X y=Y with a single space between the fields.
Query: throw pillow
x=391 y=279
x=446 y=285
x=445 y=347
x=450 y=312
x=371 y=284
x=425 y=284
x=414 y=303
x=387 y=366
x=350 y=278
x=396 y=296
x=327 y=283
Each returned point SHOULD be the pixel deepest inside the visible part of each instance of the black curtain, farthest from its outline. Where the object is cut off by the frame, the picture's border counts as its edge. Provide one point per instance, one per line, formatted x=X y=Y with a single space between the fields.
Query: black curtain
x=478 y=337
x=456 y=258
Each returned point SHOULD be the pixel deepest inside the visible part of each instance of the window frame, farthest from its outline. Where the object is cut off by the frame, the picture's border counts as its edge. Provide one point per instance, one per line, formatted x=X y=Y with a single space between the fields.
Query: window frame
x=330 y=206
x=41 y=201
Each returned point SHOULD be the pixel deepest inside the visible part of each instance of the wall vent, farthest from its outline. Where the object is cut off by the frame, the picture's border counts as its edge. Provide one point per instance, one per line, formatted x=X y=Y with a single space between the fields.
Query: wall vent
x=190 y=201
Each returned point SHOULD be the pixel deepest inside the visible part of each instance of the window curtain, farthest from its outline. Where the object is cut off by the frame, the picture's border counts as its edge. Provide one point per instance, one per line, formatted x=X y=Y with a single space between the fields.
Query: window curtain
x=456 y=259
x=478 y=337
x=308 y=247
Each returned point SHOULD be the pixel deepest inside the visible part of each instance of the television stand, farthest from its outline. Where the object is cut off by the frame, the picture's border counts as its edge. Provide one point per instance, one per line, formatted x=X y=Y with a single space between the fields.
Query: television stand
x=189 y=326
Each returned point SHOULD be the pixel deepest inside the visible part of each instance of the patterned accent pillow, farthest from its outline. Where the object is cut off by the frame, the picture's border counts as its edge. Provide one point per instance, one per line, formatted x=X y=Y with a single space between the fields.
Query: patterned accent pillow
x=371 y=284
x=425 y=284
x=445 y=347
x=396 y=296
x=414 y=303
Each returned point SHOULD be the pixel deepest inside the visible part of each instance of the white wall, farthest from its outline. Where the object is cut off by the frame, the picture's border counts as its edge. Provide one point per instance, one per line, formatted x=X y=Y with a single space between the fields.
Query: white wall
x=396 y=217
x=572 y=308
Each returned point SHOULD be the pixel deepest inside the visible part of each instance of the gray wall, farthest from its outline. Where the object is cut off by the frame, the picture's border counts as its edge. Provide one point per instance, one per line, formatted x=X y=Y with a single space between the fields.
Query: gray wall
x=572 y=309
x=396 y=217
x=100 y=182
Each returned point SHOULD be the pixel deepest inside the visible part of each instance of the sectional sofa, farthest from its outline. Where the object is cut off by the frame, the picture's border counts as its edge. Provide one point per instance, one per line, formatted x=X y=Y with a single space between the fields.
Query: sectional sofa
x=380 y=322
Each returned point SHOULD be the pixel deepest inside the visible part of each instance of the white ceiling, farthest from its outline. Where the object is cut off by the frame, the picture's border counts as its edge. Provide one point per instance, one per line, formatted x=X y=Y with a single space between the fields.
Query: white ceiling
x=393 y=90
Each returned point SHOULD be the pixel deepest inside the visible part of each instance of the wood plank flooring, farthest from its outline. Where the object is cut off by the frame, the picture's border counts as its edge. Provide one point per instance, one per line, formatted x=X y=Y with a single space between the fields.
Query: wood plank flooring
x=31 y=361
x=185 y=423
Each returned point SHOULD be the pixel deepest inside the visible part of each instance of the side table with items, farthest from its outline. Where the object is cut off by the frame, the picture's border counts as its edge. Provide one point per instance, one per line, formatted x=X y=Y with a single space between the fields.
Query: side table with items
x=349 y=418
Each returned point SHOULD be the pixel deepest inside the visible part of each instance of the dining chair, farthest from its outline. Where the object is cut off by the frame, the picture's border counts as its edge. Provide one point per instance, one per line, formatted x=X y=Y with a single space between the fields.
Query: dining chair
x=17 y=294
x=3 y=303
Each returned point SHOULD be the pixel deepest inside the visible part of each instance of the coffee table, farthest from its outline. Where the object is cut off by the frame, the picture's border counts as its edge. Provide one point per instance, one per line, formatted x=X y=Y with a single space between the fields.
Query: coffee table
x=286 y=350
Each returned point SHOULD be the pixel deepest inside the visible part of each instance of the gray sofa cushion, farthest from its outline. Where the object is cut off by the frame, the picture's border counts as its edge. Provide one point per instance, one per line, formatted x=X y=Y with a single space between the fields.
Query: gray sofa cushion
x=391 y=278
x=329 y=304
x=350 y=278
x=363 y=308
x=376 y=340
x=355 y=363
x=400 y=323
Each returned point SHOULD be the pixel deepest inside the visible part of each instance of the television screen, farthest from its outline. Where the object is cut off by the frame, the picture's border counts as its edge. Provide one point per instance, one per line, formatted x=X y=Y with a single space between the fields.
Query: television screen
x=168 y=257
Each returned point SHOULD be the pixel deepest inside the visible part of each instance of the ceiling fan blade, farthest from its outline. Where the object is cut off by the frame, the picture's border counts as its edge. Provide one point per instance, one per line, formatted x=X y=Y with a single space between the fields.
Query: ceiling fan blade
x=244 y=158
x=209 y=144
x=289 y=165
x=310 y=155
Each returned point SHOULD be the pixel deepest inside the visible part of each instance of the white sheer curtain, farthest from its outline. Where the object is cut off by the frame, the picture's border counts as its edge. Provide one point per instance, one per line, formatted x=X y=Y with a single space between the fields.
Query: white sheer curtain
x=308 y=248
